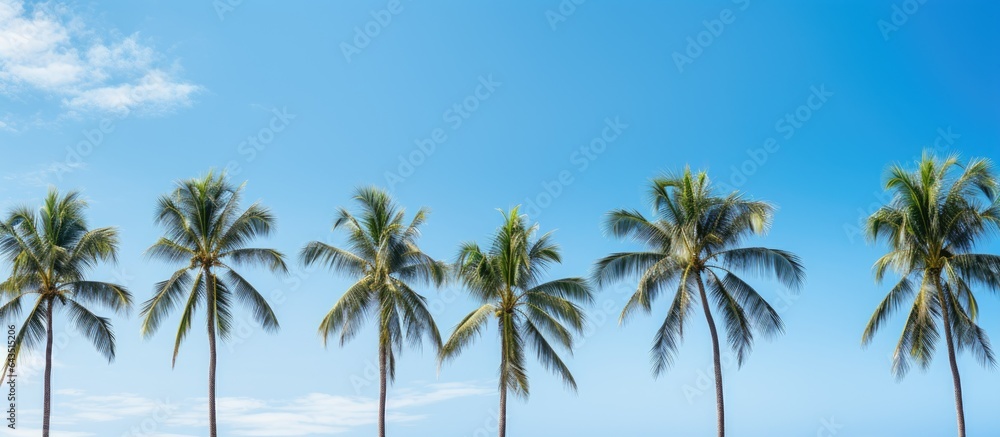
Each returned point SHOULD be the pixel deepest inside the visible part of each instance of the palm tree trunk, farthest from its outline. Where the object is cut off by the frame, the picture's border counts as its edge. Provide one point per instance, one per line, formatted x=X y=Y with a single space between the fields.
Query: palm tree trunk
x=949 y=340
x=502 y=414
x=383 y=356
x=716 y=358
x=502 y=419
x=47 y=402
x=212 y=358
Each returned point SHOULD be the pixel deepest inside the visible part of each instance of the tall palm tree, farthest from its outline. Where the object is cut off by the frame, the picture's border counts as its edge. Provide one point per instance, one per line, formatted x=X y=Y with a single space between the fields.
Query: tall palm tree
x=507 y=280
x=937 y=215
x=383 y=256
x=207 y=233
x=695 y=245
x=50 y=253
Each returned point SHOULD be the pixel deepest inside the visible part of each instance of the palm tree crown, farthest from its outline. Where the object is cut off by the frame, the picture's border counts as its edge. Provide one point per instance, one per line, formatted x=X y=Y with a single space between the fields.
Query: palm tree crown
x=507 y=279
x=50 y=254
x=385 y=259
x=696 y=238
x=937 y=215
x=207 y=232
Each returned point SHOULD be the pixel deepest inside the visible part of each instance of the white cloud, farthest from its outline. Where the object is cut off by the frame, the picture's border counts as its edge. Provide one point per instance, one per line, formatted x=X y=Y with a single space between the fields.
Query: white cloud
x=110 y=408
x=155 y=91
x=321 y=413
x=68 y=392
x=49 y=49
x=308 y=415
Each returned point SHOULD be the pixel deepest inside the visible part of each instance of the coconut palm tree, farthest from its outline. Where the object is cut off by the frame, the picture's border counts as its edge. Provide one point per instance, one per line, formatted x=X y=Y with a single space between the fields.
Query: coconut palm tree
x=383 y=257
x=937 y=215
x=694 y=245
x=507 y=280
x=50 y=254
x=207 y=233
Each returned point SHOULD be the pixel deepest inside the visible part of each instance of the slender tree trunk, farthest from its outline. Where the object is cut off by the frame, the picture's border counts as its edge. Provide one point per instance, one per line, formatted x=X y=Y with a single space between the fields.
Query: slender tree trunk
x=212 y=425
x=716 y=358
x=47 y=402
x=383 y=357
x=949 y=340
x=502 y=414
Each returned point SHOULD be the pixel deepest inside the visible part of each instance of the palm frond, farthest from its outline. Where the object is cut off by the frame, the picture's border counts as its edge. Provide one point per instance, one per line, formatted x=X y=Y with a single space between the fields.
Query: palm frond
x=349 y=312
x=257 y=257
x=198 y=293
x=903 y=291
x=165 y=298
x=548 y=356
x=785 y=266
x=108 y=295
x=465 y=332
x=96 y=329
x=252 y=300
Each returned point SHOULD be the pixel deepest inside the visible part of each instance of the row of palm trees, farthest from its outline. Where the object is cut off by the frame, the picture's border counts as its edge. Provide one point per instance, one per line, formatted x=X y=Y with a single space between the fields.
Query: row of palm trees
x=694 y=252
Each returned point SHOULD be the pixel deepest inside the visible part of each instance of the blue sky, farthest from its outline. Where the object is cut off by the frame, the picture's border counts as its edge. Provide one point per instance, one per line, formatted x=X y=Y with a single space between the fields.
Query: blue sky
x=567 y=108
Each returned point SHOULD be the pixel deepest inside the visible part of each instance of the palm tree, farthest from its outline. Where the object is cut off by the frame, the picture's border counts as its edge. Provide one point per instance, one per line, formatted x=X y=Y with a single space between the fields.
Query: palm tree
x=695 y=244
x=207 y=233
x=50 y=253
x=506 y=280
x=383 y=256
x=937 y=215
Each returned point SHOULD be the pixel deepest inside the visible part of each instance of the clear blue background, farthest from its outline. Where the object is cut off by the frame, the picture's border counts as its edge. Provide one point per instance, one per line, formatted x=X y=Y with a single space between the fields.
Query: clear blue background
x=353 y=120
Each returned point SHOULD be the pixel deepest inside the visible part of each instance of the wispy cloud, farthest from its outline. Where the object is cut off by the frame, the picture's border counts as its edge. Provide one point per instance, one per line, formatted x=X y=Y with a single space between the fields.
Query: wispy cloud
x=43 y=176
x=320 y=413
x=47 y=48
x=308 y=415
